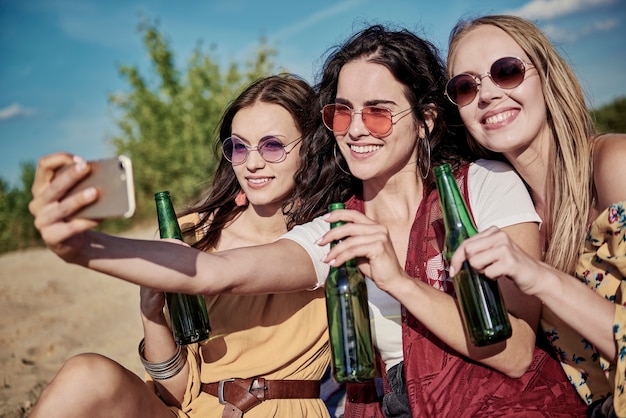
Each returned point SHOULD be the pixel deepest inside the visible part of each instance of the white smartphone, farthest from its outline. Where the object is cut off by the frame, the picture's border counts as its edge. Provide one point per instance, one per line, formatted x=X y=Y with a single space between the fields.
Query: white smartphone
x=113 y=178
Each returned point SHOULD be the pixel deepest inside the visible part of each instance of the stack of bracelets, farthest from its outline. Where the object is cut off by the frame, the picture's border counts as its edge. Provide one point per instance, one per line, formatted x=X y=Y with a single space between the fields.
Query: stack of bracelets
x=165 y=369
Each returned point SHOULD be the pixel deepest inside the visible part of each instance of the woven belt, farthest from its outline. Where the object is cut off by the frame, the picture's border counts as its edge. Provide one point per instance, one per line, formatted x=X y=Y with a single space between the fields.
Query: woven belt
x=241 y=395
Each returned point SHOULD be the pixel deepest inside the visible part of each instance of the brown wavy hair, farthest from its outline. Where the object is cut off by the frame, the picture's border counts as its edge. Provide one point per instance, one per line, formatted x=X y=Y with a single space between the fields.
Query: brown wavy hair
x=218 y=208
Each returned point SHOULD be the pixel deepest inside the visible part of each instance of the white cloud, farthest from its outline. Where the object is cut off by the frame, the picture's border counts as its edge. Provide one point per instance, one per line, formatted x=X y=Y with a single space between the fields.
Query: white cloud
x=557 y=34
x=15 y=111
x=315 y=18
x=551 y=9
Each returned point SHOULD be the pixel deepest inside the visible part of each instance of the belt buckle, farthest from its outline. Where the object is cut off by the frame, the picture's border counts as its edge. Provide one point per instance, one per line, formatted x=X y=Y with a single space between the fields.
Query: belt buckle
x=220 y=390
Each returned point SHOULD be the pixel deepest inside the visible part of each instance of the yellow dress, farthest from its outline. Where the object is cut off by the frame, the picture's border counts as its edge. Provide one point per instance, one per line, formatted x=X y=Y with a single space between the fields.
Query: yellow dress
x=602 y=266
x=276 y=336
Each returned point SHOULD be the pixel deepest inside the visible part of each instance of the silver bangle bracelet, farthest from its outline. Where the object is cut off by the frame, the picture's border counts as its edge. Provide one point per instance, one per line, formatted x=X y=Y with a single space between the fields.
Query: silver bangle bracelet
x=165 y=369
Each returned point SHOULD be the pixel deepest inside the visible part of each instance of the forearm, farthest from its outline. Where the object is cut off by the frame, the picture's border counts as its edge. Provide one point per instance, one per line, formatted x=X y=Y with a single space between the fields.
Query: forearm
x=589 y=314
x=438 y=312
x=279 y=267
x=160 y=346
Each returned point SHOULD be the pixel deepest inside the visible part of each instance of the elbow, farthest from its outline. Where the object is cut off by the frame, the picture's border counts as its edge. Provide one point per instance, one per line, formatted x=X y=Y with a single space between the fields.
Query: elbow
x=518 y=370
x=520 y=365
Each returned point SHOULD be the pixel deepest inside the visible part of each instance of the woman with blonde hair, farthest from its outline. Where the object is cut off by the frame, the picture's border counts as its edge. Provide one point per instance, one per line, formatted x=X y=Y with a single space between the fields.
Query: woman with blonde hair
x=520 y=101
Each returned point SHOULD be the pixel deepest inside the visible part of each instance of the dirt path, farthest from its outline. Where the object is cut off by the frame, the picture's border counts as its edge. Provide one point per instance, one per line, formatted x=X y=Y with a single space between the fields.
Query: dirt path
x=50 y=311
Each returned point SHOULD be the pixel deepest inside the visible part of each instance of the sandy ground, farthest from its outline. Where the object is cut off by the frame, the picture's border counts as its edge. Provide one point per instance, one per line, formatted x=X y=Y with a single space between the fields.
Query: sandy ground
x=50 y=311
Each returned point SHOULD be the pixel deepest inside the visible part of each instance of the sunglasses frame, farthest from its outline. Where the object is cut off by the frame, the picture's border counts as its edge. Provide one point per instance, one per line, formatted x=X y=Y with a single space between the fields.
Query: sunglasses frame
x=354 y=112
x=262 y=141
x=479 y=77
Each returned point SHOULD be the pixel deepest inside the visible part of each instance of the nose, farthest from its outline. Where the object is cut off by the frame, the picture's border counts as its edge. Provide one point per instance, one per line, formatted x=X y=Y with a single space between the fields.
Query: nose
x=487 y=89
x=357 y=126
x=254 y=160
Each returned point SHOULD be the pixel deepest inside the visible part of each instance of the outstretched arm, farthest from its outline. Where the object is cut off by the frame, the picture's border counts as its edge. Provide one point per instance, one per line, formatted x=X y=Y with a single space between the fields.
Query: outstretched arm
x=279 y=267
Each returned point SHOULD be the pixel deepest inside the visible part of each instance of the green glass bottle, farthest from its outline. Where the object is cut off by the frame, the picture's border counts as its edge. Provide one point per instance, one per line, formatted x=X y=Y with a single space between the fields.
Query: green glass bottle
x=188 y=314
x=480 y=300
x=348 y=320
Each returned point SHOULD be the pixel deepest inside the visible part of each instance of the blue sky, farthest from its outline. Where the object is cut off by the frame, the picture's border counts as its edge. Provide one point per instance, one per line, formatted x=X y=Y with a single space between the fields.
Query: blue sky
x=59 y=59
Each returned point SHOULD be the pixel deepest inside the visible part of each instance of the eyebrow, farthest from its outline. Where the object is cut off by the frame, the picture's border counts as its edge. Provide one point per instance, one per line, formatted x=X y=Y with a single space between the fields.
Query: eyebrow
x=279 y=137
x=373 y=102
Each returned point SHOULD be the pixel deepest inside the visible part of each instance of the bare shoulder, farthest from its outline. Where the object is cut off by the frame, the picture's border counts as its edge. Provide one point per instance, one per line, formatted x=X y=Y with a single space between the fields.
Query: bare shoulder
x=607 y=144
x=609 y=168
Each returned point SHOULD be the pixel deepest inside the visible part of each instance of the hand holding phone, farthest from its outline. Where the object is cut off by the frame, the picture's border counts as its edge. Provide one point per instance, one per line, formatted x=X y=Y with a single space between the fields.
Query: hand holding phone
x=113 y=179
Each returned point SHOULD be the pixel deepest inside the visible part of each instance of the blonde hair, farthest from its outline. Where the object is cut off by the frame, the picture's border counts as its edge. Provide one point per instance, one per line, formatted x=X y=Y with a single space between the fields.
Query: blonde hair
x=570 y=176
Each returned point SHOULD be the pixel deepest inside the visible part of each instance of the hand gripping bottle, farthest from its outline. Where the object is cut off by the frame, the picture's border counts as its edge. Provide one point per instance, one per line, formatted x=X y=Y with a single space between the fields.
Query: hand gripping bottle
x=188 y=313
x=480 y=300
x=348 y=320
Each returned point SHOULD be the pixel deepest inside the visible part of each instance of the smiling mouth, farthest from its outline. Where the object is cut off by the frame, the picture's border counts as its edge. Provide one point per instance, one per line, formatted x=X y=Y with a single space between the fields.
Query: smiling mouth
x=259 y=181
x=499 y=118
x=364 y=149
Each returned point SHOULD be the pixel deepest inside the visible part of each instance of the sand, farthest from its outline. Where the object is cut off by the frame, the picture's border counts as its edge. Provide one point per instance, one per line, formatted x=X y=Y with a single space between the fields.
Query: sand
x=50 y=311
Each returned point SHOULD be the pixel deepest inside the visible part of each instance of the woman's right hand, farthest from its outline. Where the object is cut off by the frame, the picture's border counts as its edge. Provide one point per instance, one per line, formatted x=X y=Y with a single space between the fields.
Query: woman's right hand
x=51 y=209
x=495 y=254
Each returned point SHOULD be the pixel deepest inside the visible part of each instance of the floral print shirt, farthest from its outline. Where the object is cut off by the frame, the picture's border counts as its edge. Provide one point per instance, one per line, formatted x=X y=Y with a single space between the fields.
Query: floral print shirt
x=602 y=266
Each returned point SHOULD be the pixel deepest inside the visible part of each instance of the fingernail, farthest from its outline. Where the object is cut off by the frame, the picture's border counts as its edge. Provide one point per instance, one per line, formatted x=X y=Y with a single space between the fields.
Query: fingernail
x=326 y=215
x=81 y=165
x=89 y=193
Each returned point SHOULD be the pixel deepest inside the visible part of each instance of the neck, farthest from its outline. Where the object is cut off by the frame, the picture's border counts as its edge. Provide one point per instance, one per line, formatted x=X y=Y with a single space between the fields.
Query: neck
x=393 y=200
x=263 y=223
x=531 y=164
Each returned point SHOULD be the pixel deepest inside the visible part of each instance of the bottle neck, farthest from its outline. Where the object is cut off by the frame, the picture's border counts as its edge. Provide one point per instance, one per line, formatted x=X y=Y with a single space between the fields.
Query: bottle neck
x=456 y=215
x=168 y=222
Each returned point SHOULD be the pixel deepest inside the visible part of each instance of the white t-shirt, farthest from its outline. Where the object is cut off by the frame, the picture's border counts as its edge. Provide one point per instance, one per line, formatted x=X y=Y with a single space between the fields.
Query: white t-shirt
x=497 y=197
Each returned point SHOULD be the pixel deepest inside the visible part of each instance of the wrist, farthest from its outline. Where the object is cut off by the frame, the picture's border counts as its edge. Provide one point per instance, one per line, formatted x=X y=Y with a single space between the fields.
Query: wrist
x=156 y=317
x=165 y=369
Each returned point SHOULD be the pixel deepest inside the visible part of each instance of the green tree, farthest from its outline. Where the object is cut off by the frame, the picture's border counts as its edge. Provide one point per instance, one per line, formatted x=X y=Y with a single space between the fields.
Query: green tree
x=167 y=127
x=16 y=223
x=612 y=116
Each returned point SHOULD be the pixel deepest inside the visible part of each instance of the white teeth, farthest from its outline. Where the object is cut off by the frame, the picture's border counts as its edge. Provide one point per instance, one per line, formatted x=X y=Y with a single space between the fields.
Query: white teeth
x=363 y=149
x=259 y=181
x=500 y=117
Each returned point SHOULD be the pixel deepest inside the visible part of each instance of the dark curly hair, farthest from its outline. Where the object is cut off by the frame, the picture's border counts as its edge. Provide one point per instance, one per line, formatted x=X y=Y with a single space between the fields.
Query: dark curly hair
x=416 y=64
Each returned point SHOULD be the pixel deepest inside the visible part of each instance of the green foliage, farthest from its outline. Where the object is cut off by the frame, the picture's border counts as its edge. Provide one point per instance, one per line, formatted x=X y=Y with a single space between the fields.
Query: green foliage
x=16 y=223
x=168 y=126
x=611 y=117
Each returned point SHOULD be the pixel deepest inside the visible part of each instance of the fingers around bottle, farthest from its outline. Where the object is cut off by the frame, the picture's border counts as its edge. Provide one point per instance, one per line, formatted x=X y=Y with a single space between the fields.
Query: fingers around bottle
x=351 y=247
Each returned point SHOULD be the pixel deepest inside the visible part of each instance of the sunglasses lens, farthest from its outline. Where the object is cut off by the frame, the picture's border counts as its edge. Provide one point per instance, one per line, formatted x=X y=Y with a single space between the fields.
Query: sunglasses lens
x=337 y=117
x=272 y=150
x=234 y=150
x=377 y=120
x=462 y=89
x=508 y=72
